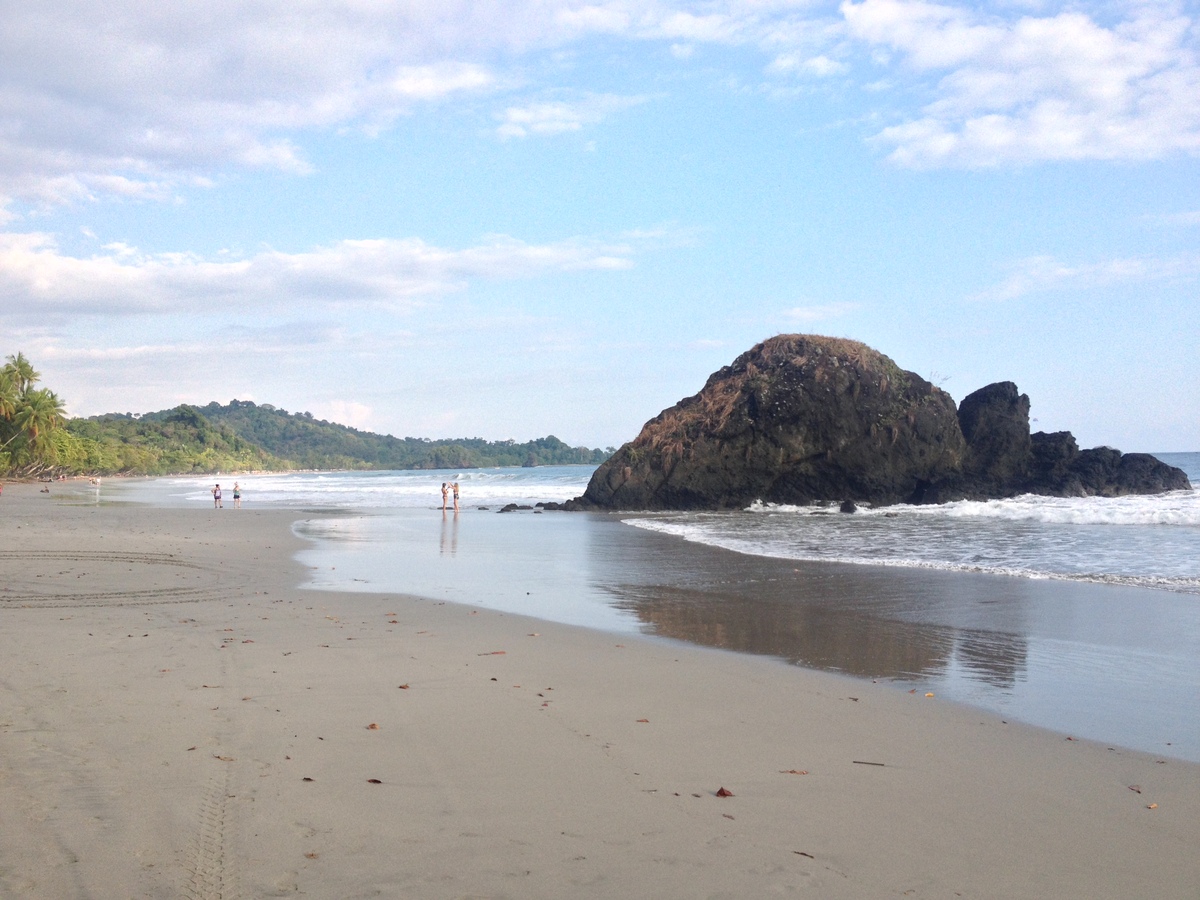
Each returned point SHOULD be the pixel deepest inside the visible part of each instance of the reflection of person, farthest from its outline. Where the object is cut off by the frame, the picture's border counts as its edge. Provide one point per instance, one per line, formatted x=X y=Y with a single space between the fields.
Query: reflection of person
x=455 y=486
x=445 y=491
x=216 y=492
x=237 y=496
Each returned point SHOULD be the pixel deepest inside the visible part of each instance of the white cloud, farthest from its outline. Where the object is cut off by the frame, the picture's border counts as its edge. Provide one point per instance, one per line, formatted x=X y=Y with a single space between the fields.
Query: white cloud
x=1061 y=87
x=818 y=312
x=560 y=116
x=799 y=62
x=38 y=281
x=345 y=412
x=157 y=95
x=1036 y=274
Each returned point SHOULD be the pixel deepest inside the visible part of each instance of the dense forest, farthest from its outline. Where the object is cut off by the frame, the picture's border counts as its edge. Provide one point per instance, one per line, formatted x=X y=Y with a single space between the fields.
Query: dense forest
x=37 y=439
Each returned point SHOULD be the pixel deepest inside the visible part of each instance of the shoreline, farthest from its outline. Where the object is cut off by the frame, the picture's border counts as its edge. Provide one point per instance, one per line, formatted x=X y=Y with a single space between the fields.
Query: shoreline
x=181 y=718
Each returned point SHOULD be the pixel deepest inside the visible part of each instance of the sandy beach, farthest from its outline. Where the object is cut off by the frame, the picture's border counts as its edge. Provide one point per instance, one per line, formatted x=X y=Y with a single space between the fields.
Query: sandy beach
x=180 y=718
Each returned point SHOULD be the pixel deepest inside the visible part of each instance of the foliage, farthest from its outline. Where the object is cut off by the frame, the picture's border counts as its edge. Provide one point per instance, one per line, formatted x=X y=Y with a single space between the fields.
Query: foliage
x=30 y=417
x=178 y=441
x=313 y=443
x=36 y=438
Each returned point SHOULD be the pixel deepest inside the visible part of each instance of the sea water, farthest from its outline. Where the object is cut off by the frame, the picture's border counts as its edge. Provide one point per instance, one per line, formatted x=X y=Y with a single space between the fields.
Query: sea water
x=1079 y=614
x=1145 y=540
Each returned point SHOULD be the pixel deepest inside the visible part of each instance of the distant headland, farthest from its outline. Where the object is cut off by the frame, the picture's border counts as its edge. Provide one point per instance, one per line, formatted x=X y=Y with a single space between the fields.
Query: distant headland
x=37 y=439
x=800 y=419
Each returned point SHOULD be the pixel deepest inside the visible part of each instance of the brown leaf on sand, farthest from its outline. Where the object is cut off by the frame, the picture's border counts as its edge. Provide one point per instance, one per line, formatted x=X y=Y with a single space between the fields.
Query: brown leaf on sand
x=311 y=854
x=403 y=687
x=223 y=758
x=1152 y=806
x=727 y=815
x=802 y=853
x=724 y=792
x=793 y=771
x=1136 y=788
x=493 y=653
x=306 y=778
x=374 y=781
x=373 y=727
x=644 y=721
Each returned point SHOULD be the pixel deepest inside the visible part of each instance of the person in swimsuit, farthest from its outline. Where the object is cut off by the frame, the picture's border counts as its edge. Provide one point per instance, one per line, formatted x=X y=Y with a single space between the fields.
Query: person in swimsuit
x=445 y=491
x=455 y=486
x=216 y=492
x=237 y=496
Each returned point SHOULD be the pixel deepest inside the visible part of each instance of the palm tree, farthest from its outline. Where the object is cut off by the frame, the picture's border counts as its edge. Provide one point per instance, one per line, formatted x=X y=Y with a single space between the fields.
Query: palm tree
x=22 y=372
x=9 y=395
x=40 y=413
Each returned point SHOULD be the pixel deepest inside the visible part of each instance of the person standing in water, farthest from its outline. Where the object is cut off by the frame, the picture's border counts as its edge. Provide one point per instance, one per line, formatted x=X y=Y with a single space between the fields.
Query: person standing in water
x=445 y=492
x=455 y=486
x=237 y=496
x=216 y=492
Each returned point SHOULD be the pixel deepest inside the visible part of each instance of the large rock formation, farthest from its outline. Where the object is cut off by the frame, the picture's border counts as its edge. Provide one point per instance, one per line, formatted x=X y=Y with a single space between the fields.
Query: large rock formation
x=801 y=418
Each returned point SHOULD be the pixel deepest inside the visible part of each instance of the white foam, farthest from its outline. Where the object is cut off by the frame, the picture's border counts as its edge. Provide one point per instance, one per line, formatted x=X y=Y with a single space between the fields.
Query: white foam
x=1174 y=508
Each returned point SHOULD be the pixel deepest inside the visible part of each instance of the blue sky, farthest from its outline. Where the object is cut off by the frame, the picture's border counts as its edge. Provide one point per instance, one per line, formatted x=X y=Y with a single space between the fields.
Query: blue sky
x=544 y=216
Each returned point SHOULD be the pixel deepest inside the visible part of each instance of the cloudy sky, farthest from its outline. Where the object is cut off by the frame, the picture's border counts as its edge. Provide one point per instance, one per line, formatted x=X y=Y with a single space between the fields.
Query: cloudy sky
x=508 y=219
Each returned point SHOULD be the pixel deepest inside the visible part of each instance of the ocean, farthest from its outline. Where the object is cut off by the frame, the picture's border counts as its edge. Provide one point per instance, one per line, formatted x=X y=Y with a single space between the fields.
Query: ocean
x=1081 y=615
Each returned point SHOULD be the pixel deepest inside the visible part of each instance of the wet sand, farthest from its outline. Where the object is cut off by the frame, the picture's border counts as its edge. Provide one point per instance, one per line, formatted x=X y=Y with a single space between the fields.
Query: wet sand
x=179 y=719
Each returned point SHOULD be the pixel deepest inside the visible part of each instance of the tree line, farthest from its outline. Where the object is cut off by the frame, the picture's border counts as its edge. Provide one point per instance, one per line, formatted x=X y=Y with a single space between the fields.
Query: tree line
x=37 y=438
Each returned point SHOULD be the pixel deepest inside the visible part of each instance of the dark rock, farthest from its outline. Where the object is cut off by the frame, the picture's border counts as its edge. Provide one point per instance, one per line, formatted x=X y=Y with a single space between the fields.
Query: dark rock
x=995 y=425
x=800 y=419
x=797 y=418
x=848 y=506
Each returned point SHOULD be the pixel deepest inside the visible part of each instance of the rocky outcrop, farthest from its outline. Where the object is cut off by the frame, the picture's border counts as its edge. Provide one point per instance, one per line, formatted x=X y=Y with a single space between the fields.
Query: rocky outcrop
x=795 y=419
x=802 y=418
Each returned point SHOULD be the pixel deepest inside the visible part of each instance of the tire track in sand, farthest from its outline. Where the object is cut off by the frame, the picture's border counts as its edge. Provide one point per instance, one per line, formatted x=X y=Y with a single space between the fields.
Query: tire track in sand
x=209 y=875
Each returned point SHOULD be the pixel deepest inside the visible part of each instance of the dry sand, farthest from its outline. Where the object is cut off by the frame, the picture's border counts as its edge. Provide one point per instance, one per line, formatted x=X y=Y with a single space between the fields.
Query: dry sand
x=179 y=719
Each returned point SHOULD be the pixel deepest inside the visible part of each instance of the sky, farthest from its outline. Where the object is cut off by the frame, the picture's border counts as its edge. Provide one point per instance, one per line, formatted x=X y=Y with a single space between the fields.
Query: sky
x=510 y=219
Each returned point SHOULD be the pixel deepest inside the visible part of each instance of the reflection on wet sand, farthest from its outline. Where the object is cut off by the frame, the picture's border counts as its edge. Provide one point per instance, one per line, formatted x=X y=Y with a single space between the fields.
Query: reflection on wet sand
x=861 y=621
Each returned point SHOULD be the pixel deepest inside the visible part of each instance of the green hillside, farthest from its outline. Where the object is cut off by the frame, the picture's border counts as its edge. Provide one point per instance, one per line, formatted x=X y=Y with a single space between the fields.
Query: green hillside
x=311 y=443
x=37 y=439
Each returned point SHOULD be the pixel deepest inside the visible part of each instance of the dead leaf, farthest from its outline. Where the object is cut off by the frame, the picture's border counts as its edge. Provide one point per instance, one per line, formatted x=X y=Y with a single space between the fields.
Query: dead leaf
x=374 y=781
x=223 y=758
x=311 y=854
x=727 y=815
x=403 y=687
x=724 y=792
x=802 y=853
x=644 y=721
x=373 y=727
x=493 y=653
x=191 y=748
x=930 y=694
x=794 y=771
x=1136 y=788
x=306 y=778
x=1152 y=806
